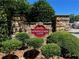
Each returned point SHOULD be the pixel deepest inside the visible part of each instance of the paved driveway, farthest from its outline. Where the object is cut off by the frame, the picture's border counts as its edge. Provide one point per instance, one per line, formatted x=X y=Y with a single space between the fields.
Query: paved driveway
x=75 y=32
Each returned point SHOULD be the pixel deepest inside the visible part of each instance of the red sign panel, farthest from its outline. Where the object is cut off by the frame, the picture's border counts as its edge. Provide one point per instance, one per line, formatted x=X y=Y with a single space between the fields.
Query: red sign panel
x=39 y=31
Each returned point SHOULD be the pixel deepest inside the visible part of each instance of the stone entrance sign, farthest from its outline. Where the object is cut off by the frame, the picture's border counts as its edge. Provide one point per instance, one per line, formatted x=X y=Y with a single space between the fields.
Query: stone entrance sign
x=40 y=31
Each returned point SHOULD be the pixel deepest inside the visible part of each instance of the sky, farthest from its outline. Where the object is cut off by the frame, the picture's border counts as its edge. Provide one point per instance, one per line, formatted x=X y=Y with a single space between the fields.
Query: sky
x=63 y=7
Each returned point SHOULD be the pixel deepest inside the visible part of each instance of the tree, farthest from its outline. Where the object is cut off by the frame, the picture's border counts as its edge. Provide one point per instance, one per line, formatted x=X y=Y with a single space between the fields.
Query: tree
x=3 y=25
x=21 y=6
x=67 y=42
x=77 y=18
x=41 y=11
x=10 y=7
x=72 y=18
x=51 y=50
x=14 y=5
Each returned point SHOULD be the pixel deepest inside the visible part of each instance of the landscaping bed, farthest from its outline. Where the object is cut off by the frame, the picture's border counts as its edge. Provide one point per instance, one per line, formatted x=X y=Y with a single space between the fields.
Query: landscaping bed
x=57 y=46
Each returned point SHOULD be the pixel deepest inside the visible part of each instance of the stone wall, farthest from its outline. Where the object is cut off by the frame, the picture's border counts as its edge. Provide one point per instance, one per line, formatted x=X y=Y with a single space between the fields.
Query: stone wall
x=20 y=24
x=62 y=23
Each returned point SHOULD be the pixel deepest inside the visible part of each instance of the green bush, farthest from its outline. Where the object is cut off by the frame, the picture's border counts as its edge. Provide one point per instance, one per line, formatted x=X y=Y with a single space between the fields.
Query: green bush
x=65 y=40
x=22 y=36
x=10 y=45
x=50 y=50
x=35 y=42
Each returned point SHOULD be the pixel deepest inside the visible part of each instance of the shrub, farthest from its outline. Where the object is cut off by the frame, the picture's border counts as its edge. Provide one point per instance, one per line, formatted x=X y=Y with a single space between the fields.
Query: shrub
x=66 y=41
x=22 y=36
x=50 y=50
x=35 y=42
x=10 y=45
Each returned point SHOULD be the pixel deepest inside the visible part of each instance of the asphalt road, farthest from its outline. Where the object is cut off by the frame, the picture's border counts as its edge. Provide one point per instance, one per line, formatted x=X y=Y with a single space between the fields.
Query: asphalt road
x=75 y=32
